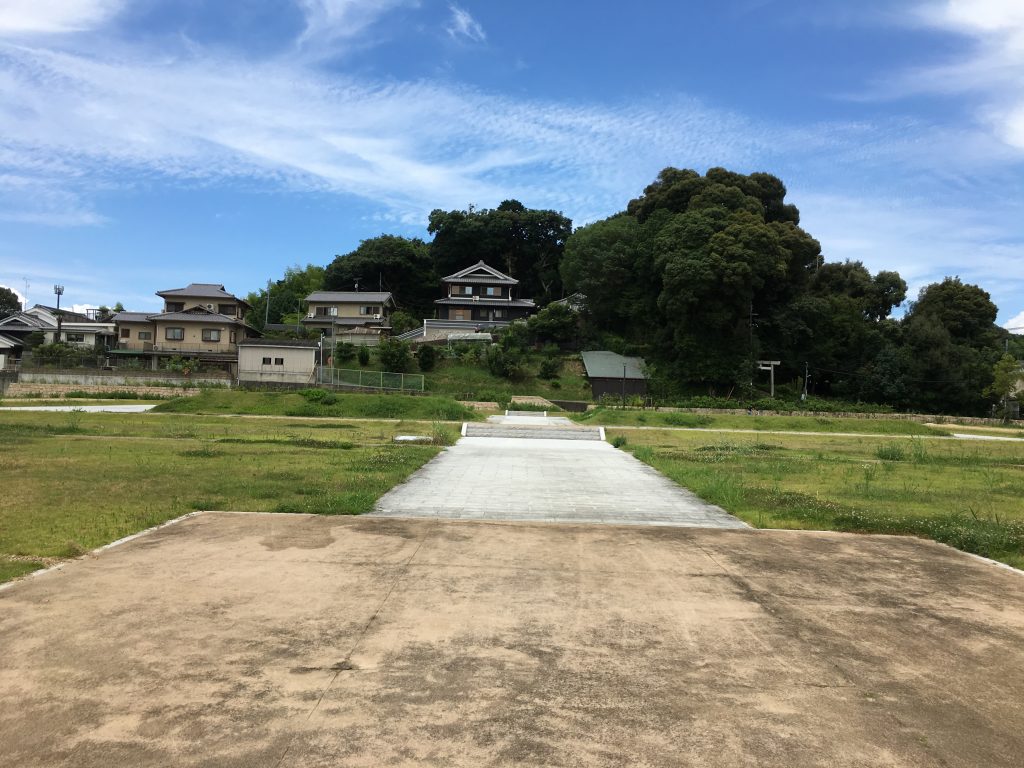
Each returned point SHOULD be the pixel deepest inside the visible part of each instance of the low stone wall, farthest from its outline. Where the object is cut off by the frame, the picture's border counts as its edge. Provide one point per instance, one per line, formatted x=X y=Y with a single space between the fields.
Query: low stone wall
x=57 y=391
x=112 y=378
x=477 y=405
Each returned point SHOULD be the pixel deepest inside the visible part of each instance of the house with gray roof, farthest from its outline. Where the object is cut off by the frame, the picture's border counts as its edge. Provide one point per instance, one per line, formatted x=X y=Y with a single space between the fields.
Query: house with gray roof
x=614 y=375
x=354 y=317
x=202 y=321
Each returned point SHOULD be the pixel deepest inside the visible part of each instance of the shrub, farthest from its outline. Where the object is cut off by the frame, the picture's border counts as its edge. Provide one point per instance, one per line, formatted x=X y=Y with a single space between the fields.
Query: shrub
x=550 y=367
x=507 y=363
x=618 y=441
x=891 y=452
x=402 y=322
x=344 y=351
x=394 y=355
x=363 y=355
x=427 y=358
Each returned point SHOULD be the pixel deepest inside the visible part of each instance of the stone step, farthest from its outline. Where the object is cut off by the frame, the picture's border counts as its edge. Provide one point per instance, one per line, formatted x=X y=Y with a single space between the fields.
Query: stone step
x=531 y=431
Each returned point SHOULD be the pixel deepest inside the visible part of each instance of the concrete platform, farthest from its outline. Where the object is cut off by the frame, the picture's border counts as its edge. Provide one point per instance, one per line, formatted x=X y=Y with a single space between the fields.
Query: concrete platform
x=547 y=480
x=262 y=640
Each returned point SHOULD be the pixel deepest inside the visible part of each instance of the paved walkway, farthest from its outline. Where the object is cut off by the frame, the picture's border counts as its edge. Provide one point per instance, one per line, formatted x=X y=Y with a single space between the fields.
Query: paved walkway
x=83 y=408
x=291 y=641
x=571 y=477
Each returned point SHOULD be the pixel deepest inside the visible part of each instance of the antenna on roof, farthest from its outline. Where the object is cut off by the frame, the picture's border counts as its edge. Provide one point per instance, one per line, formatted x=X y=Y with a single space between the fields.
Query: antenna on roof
x=357 y=284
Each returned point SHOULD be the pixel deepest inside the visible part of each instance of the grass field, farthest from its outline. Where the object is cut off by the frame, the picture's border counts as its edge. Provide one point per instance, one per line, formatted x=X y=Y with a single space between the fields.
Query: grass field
x=472 y=381
x=351 y=406
x=964 y=493
x=75 y=481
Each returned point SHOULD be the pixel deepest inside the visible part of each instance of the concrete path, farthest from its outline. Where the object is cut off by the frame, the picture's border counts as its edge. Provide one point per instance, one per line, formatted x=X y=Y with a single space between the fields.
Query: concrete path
x=83 y=408
x=547 y=480
x=263 y=641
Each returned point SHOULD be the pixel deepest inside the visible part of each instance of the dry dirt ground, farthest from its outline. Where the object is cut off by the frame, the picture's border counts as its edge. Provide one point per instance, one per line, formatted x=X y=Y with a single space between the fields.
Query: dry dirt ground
x=272 y=640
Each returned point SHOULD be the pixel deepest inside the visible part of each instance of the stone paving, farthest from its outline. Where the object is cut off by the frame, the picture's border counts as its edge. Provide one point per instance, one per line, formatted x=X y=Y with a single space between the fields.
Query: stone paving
x=567 y=479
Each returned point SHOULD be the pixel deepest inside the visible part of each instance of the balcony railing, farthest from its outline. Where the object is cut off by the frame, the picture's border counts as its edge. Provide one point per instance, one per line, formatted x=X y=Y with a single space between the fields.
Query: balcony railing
x=210 y=348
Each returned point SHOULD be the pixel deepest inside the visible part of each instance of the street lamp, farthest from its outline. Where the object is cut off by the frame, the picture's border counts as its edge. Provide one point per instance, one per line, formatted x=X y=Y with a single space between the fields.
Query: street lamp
x=59 y=290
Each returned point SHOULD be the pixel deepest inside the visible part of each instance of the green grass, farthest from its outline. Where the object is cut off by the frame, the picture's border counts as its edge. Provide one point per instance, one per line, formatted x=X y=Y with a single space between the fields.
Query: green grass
x=472 y=381
x=874 y=426
x=335 y=405
x=966 y=494
x=94 y=478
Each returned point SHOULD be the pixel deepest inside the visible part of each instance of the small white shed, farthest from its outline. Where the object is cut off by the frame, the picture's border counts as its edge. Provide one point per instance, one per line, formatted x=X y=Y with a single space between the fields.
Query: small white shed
x=277 y=361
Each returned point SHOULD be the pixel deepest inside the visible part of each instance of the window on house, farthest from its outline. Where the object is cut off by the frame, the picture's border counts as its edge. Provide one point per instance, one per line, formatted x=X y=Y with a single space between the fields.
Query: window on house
x=126 y=333
x=226 y=309
x=467 y=290
x=266 y=361
x=211 y=334
x=231 y=337
x=175 y=306
x=174 y=334
x=278 y=361
x=327 y=311
x=145 y=335
x=369 y=310
x=499 y=313
x=492 y=291
x=75 y=338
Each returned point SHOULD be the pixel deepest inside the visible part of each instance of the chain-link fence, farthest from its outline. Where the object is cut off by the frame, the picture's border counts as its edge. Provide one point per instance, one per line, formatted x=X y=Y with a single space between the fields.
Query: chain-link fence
x=343 y=377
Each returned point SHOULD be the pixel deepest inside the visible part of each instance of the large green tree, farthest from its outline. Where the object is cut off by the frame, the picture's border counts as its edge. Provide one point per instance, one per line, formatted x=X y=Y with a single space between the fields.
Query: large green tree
x=286 y=297
x=10 y=304
x=525 y=243
x=695 y=271
x=397 y=264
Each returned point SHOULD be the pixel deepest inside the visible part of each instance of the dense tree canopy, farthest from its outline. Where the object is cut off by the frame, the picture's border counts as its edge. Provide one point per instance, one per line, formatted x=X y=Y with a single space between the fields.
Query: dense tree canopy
x=525 y=243
x=397 y=264
x=286 y=297
x=705 y=274
x=10 y=304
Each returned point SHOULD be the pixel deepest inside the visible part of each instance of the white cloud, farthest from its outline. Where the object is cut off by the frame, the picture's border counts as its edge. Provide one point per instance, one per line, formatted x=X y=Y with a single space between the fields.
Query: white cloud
x=331 y=20
x=71 y=121
x=1016 y=323
x=55 y=16
x=463 y=25
x=992 y=69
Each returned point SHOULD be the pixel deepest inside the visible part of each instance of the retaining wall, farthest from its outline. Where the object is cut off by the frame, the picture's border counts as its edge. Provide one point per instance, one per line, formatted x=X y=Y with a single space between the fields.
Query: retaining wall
x=56 y=391
x=133 y=379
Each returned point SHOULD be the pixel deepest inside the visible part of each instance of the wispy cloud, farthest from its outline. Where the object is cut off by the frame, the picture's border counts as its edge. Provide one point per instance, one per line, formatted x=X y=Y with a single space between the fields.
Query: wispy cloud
x=19 y=17
x=463 y=26
x=408 y=146
x=332 y=20
x=992 y=69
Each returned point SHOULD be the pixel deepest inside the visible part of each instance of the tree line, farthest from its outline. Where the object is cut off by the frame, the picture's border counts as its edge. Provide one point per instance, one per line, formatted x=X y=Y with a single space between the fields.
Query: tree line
x=703 y=275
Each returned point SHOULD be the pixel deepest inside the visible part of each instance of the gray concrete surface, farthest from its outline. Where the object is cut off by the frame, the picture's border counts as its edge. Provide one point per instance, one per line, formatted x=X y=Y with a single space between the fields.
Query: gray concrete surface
x=84 y=408
x=553 y=480
x=278 y=640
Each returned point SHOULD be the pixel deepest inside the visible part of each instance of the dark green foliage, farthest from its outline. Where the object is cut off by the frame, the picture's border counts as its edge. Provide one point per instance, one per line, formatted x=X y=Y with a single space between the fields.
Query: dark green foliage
x=522 y=242
x=427 y=358
x=400 y=265
x=287 y=295
x=344 y=352
x=363 y=354
x=10 y=304
x=402 y=321
x=394 y=355
x=555 y=323
x=508 y=363
x=550 y=367
x=704 y=275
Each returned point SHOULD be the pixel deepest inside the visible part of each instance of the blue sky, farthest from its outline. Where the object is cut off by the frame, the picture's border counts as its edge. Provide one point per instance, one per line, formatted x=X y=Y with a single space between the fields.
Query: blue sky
x=145 y=144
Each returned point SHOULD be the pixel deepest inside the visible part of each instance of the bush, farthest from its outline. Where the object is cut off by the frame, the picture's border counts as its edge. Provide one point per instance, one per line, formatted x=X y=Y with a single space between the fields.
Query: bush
x=550 y=367
x=427 y=358
x=344 y=351
x=402 y=322
x=364 y=355
x=890 y=452
x=394 y=355
x=618 y=441
x=507 y=363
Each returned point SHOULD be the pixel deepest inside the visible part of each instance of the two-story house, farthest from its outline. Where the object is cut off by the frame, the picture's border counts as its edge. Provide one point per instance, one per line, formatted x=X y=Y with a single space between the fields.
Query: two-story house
x=482 y=294
x=355 y=317
x=77 y=329
x=201 y=320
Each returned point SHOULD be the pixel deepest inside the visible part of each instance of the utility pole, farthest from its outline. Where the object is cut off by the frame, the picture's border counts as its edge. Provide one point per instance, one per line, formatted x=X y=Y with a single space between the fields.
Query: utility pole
x=266 y=309
x=806 y=376
x=25 y=305
x=623 y=385
x=59 y=290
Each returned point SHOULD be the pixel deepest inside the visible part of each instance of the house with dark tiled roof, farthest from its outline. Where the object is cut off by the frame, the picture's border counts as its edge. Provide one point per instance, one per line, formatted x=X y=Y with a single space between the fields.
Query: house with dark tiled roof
x=355 y=317
x=202 y=321
x=481 y=293
x=66 y=326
